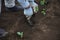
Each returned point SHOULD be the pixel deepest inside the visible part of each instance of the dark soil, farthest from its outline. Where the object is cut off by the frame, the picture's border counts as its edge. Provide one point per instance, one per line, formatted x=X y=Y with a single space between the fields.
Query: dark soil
x=45 y=27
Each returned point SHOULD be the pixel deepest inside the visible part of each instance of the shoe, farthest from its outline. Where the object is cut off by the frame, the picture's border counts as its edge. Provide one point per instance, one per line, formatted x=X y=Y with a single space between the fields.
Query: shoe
x=3 y=33
x=30 y=23
x=13 y=9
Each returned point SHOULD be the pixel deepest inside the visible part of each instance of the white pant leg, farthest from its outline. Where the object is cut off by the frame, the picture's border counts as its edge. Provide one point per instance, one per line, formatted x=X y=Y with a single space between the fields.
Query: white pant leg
x=0 y=6
x=25 y=4
x=9 y=3
x=28 y=12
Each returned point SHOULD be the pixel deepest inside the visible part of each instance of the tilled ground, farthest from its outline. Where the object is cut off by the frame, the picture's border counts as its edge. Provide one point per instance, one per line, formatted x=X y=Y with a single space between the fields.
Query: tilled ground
x=45 y=27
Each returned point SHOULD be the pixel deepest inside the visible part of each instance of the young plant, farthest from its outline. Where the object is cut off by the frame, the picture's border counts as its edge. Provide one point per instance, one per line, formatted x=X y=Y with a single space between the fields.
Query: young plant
x=36 y=9
x=42 y=2
x=43 y=12
x=20 y=34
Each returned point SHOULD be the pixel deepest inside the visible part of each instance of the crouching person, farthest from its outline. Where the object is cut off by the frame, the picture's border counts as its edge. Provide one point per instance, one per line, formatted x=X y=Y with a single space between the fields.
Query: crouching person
x=28 y=6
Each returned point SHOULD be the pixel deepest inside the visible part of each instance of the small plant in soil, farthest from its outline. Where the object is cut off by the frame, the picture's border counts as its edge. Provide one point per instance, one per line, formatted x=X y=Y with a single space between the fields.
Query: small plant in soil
x=43 y=2
x=43 y=12
x=20 y=34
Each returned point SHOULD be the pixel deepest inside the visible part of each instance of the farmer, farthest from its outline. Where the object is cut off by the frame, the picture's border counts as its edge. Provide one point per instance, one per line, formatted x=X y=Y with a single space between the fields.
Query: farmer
x=28 y=6
x=9 y=5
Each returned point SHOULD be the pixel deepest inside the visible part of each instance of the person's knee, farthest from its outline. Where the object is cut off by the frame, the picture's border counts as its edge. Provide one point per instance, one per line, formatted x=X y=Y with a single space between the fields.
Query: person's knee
x=28 y=12
x=30 y=0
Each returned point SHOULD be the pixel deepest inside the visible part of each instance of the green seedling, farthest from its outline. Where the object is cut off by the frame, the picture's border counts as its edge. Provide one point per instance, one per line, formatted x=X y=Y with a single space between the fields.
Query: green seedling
x=20 y=34
x=42 y=2
x=36 y=9
x=43 y=12
x=44 y=9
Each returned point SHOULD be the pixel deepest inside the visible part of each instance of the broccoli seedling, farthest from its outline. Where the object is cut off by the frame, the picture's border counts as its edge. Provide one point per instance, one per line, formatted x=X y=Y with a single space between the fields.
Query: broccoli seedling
x=20 y=34
x=42 y=2
x=36 y=9
x=43 y=12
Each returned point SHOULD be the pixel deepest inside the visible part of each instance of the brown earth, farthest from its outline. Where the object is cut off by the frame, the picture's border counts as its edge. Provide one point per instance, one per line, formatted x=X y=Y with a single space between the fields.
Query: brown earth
x=45 y=27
